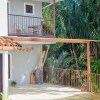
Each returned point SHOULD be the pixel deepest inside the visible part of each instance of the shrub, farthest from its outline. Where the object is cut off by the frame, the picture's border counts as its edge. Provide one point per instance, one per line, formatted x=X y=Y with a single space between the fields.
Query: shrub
x=2 y=97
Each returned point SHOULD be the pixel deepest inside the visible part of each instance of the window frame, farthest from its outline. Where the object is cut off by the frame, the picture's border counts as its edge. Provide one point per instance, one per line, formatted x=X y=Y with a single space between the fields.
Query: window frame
x=31 y=4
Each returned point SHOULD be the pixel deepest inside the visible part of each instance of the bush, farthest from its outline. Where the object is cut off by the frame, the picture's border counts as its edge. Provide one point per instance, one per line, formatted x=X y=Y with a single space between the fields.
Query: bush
x=2 y=97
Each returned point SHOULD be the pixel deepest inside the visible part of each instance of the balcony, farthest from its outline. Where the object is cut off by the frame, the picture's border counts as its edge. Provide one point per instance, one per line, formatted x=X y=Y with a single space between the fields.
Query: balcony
x=27 y=26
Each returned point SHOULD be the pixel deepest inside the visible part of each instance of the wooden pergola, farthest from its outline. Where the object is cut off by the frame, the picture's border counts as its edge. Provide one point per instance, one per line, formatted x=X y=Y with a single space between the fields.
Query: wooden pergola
x=8 y=45
x=60 y=40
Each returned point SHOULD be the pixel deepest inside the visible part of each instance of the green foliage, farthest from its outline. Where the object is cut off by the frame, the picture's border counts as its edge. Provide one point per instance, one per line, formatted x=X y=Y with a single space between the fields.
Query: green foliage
x=83 y=18
x=2 y=97
x=97 y=37
x=13 y=82
x=83 y=85
x=67 y=62
x=51 y=61
x=61 y=55
x=78 y=19
x=95 y=66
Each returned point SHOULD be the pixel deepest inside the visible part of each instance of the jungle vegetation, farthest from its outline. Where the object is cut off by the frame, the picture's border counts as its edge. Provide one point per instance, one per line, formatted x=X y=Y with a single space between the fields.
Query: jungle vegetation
x=75 y=19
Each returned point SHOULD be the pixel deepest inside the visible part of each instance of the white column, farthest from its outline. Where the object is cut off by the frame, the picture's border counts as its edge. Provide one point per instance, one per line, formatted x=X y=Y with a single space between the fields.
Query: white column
x=4 y=32
x=5 y=73
x=3 y=18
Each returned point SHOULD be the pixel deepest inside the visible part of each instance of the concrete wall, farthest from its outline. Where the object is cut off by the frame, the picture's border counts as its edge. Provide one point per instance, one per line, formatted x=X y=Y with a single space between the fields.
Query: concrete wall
x=23 y=63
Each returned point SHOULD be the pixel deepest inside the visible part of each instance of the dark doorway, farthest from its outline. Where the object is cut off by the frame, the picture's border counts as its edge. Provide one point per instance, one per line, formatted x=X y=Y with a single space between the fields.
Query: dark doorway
x=1 y=72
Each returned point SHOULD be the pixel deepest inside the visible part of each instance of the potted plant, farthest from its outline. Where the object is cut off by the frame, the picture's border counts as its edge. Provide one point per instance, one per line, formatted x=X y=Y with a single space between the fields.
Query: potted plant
x=13 y=83
x=83 y=87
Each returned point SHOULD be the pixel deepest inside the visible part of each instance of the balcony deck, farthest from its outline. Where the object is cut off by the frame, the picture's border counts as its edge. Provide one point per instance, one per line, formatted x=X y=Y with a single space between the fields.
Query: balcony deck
x=28 y=26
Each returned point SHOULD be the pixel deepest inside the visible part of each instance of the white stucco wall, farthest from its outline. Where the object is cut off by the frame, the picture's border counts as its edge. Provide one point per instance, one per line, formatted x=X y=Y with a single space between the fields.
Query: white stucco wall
x=4 y=32
x=17 y=7
x=23 y=63
x=3 y=18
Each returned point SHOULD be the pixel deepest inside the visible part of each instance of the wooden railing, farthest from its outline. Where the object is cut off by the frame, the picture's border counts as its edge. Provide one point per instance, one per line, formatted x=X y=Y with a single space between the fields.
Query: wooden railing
x=28 y=25
x=95 y=82
x=70 y=78
x=65 y=77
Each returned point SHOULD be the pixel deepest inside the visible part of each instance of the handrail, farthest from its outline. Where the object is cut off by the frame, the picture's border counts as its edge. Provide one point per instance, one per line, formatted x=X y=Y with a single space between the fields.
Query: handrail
x=18 y=25
x=25 y=16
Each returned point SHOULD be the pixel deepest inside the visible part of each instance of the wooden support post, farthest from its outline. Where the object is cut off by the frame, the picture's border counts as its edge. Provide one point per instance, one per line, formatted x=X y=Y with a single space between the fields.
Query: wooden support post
x=54 y=16
x=41 y=68
x=88 y=68
x=45 y=56
x=41 y=57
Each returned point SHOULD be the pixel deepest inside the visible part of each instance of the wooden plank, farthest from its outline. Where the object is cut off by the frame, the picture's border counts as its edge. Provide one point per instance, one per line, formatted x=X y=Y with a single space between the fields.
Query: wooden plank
x=6 y=48
x=15 y=48
x=49 y=40
x=88 y=68
x=45 y=56
x=59 y=40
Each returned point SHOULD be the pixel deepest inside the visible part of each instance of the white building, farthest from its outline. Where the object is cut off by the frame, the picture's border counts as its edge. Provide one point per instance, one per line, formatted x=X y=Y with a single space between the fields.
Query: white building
x=22 y=18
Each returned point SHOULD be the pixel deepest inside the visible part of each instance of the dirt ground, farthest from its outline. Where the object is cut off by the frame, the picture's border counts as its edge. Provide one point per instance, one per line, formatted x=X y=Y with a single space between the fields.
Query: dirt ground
x=42 y=92
x=86 y=96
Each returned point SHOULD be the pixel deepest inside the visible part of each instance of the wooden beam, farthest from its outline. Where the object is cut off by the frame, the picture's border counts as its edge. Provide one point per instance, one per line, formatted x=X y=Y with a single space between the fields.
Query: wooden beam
x=45 y=56
x=54 y=16
x=6 y=48
x=49 y=40
x=59 y=40
x=88 y=68
x=9 y=48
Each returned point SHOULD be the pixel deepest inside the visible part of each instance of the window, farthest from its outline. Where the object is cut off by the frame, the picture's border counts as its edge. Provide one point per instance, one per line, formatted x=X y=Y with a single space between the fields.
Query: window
x=9 y=66
x=29 y=8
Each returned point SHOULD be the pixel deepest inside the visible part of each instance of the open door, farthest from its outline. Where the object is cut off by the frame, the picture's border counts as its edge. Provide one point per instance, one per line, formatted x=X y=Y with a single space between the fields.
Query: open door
x=1 y=73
